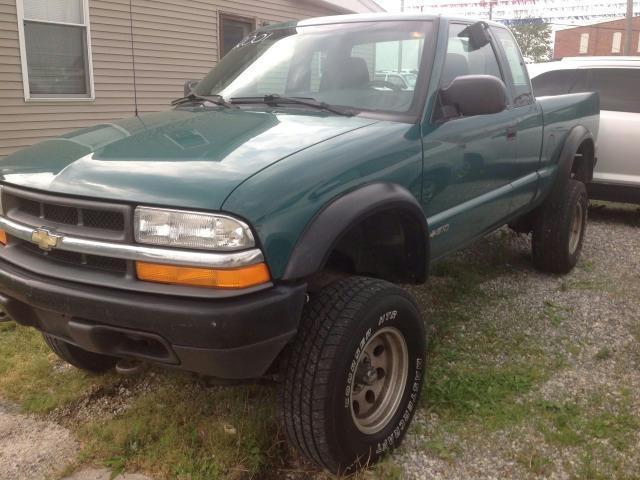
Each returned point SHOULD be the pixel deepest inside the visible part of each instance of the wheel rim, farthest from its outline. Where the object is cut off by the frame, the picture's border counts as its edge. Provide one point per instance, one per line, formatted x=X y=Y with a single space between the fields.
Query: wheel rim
x=576 y=229
x=380 y=379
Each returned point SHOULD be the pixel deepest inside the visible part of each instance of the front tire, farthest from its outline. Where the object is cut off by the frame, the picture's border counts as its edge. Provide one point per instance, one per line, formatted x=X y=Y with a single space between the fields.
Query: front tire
x=78 y=357
x=354 y=373
x=559 y=231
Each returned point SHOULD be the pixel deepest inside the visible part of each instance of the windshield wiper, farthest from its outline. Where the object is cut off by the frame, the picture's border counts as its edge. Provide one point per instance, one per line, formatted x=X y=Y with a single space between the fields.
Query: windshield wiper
x=275 y=100
x=192 y=97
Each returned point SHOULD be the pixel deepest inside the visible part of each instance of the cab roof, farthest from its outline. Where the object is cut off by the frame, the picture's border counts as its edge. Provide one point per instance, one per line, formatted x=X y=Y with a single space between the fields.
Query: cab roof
x=371 y=17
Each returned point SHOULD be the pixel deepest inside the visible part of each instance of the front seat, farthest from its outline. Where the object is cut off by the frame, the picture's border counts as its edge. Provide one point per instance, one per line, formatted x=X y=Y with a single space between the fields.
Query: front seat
x=351 y=72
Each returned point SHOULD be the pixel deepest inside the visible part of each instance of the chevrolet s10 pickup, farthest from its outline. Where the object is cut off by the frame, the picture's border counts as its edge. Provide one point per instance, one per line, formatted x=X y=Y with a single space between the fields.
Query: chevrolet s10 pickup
x=259 y=227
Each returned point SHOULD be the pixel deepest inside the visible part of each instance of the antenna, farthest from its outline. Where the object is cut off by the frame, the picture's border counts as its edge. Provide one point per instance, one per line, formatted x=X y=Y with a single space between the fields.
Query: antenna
x=133 y=61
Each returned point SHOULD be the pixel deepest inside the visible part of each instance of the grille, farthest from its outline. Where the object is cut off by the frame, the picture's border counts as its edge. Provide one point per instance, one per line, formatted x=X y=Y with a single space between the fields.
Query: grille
x=67 y=215
x=109 y=222
x=115 y=265
x=103 y=219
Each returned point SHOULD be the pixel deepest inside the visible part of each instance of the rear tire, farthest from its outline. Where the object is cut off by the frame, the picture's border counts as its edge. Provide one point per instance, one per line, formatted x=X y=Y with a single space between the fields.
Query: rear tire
x=353 y=373
x=78 y=357
x=559 y=230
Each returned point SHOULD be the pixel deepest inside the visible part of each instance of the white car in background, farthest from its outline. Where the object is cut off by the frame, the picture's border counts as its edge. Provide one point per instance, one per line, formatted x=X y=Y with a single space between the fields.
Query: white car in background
x=617 y=80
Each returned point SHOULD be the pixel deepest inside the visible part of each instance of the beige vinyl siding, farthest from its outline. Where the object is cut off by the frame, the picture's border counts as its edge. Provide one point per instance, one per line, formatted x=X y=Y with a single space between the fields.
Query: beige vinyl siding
x=174 y=41
x=24 y=123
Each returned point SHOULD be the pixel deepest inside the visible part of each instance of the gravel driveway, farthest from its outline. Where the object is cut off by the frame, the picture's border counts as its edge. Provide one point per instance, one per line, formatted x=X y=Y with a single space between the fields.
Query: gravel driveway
x=582 y=419
x=31 y=448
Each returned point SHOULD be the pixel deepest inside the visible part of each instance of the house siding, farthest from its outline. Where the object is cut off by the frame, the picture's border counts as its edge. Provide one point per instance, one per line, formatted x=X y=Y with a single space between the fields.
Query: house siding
x=173 y=41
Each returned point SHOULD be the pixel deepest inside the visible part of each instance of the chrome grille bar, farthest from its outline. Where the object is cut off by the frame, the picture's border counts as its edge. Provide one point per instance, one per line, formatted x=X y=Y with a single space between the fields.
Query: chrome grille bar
x=138 y=252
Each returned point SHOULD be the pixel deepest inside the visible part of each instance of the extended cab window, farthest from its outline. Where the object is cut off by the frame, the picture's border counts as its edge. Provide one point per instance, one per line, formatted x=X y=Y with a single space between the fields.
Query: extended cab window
x=462 y=60
x=618 y=88
x=522 y=89
x=559 y=82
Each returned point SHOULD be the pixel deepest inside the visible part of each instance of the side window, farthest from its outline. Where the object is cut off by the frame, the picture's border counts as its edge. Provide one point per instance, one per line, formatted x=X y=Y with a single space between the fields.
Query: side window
x=462 y=60
x=55 y=49
x=559 y=82
x=522 y=89
x=618 y=88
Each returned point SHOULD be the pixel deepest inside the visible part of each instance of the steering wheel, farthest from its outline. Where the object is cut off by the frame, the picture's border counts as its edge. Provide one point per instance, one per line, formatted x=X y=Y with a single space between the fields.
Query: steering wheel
x=383 y=83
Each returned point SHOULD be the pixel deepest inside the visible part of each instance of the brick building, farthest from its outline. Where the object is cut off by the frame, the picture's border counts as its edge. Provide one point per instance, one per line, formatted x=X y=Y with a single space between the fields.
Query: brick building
x=598 y=39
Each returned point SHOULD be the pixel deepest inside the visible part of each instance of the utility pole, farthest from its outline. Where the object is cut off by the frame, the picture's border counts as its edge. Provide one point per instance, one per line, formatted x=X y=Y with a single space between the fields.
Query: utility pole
x=629 y=32
x=402 y=5
x=490 y=10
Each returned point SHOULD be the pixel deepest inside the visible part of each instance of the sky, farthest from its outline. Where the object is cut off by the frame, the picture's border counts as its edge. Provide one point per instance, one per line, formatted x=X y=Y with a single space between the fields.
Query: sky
x=559 y=13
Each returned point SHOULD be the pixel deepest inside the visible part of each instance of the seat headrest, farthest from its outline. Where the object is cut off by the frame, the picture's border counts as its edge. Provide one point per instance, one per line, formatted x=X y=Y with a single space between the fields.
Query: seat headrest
x=345 y=73
x=455 y=65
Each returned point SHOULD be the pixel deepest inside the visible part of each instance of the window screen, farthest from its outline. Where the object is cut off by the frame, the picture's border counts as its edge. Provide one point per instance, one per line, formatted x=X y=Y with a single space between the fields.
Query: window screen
x=559 y=82
x=522 y=89
x=56 y=52
x=616 y=42
x=618 y=88
x=584 y=42
x=232 y=32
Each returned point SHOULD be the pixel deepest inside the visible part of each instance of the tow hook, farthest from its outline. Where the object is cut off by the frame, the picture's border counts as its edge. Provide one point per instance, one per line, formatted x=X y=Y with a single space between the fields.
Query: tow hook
x=129 y=366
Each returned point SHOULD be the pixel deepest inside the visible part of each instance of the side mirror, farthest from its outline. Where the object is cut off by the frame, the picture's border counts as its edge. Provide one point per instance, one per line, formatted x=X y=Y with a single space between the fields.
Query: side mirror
x=478 y=35
x=470 y=95
x=189 y=86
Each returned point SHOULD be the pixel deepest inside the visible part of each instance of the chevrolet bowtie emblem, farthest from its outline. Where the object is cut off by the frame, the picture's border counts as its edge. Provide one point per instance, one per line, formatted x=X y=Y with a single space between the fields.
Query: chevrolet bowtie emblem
x=45 y=239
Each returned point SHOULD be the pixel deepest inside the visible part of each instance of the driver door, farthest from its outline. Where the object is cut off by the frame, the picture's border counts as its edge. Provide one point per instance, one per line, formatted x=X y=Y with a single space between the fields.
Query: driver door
x=466 y=183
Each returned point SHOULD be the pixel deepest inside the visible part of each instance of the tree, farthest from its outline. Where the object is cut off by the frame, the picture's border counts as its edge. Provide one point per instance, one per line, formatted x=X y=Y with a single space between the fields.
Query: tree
x=534 y=40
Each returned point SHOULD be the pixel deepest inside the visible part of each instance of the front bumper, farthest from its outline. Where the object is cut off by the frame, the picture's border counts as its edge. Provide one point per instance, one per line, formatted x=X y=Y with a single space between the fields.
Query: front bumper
x=231 y=338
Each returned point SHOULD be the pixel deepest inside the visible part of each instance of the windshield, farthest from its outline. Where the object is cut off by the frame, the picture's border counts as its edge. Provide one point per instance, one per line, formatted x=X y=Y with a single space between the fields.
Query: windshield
x=335 y=64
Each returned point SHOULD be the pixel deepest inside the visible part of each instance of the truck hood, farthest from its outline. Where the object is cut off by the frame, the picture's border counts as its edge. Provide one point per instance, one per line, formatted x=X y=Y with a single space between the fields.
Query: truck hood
x=187 y=157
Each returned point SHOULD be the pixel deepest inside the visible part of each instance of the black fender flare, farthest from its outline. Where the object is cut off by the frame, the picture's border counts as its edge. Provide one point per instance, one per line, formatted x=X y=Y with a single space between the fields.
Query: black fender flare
x=577 y=136
x=330 y=224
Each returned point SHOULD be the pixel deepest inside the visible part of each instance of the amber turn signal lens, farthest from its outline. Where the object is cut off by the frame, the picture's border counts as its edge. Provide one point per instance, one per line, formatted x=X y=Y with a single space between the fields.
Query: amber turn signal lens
x=203 y=277
x=3 y=237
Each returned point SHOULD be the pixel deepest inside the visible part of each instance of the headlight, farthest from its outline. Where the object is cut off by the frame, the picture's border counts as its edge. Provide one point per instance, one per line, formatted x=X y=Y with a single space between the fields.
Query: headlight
x=203 y=231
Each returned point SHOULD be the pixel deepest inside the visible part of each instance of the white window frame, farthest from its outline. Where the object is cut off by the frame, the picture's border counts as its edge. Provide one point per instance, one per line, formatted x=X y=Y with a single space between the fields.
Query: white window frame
x=616 y=42
x=23 y=57
x=584 y=43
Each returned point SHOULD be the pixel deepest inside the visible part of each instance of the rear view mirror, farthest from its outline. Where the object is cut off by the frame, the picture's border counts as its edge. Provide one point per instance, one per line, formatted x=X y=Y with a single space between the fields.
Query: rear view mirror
x=190 y=86
x=470 y=95
x=478 y=35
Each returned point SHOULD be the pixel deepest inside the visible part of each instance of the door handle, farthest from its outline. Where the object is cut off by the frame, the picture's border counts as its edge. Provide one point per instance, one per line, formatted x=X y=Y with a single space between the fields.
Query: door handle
x=512 y=132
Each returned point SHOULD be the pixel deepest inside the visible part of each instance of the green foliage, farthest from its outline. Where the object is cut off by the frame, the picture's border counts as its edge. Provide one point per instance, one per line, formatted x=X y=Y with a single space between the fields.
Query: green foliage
x=534 y=40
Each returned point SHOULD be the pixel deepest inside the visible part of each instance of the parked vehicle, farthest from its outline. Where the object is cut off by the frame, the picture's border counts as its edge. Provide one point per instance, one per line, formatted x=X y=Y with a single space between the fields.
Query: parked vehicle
x=257 y=226
x=395 y=80
x=617 y=79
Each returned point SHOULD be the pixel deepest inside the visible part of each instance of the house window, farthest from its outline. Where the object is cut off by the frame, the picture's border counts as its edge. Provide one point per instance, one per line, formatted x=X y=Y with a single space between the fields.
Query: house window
x=232 y=30
x=617 y=42
x=638 y=43
x=584 y=43
x=55 y=49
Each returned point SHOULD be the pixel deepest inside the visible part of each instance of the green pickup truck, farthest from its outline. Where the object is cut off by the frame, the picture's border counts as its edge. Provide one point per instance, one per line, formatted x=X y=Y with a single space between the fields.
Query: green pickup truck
x=255 y=228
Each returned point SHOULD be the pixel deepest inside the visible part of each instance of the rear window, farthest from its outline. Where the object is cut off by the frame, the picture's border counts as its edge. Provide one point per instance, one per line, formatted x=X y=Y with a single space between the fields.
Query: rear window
x=559 y=82
x=619 y=88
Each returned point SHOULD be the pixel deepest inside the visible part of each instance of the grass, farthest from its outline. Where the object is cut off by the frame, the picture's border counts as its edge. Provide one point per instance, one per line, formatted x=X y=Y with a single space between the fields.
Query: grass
x=483 y=376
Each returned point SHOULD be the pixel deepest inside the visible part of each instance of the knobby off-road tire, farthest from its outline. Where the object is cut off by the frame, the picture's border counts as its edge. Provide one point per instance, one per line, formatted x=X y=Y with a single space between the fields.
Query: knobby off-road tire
x=79 y=358
x=559 y=231
x=353 y=373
